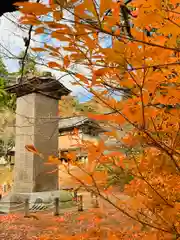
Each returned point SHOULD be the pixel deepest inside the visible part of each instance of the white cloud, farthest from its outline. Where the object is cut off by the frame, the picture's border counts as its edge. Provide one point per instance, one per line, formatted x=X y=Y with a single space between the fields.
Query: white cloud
x=11 y=40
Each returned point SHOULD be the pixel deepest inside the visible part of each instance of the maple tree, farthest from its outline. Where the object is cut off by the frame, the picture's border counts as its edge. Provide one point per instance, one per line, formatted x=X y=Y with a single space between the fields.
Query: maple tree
x=144 y=67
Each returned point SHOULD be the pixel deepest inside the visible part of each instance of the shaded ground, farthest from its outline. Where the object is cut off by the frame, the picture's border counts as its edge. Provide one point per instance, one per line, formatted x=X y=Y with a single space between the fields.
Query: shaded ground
x=70 y=222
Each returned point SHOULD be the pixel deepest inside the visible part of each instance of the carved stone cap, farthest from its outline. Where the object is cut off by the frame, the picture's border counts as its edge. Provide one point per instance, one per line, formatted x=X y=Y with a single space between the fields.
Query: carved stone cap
x=48 y=86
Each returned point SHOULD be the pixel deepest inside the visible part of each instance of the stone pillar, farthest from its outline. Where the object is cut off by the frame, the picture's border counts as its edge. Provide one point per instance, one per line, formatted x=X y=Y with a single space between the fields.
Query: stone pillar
x=36 y=124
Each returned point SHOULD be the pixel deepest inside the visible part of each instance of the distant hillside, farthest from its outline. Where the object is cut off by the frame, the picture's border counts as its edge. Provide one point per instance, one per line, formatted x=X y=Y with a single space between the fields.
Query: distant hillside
x=70 y=106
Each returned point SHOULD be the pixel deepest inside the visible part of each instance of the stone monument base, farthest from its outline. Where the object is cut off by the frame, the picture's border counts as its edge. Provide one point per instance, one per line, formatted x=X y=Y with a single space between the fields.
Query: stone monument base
x=14 y=202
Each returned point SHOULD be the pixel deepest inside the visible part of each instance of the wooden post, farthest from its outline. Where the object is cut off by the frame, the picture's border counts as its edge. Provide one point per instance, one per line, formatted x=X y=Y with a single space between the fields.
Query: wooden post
x=94 y=200
x=92 y=197
x=26 y=208
x=80 y=203
x=96 y=203
x=75 y=195
x=56 y=207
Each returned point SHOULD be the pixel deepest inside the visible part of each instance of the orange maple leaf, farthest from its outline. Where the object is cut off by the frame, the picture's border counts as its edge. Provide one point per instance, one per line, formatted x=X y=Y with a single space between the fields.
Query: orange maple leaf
x=31 y=148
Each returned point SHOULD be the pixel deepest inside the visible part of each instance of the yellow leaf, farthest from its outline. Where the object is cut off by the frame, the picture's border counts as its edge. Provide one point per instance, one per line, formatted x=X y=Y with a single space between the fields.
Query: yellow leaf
x=31 y=148
x=39 y=30
x=31 y=21
x=89 y=42
x=36 y=8
x=101 y=71
x=54 y=54
x=91 y=166
x=51 y=48
x=172 y=41
x=62 y=28
x=147 y=19
x=119 y=47
x=61 y=3
x=71 y=49
x=105 y=5
x=112 y=134
x=57 y=15
x=87 y=179
x=129 y=140
x=66 y=61
x=100 y=177
x=60 y=36
x=89 y=4
x=77 y=56
x=112 y=236
x=54 y=65
x=99 y=116
x=38 y=49
x=82 y=78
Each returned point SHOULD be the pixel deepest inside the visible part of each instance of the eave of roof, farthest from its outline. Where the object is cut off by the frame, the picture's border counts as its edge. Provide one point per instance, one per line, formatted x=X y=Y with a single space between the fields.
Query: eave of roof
x=48 y=86
x=76 y=122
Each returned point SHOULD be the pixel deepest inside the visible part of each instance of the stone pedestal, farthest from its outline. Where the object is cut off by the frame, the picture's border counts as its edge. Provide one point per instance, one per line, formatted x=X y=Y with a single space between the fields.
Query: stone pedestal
x=15 y=202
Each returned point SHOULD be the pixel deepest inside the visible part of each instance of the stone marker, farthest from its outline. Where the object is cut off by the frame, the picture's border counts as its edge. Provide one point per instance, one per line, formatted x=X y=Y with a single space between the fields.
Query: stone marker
x=37 y=125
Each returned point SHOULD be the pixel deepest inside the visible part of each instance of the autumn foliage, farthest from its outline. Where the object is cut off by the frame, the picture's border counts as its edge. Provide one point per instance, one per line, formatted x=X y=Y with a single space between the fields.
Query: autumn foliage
x=145 y=69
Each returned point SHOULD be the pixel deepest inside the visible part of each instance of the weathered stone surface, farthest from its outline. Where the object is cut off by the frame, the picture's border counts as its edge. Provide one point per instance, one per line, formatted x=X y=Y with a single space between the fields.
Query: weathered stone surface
x=36 y=124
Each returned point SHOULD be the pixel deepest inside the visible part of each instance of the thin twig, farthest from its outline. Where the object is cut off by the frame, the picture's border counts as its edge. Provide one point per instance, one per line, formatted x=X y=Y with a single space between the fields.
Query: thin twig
x=120 y=209
x=26 y=51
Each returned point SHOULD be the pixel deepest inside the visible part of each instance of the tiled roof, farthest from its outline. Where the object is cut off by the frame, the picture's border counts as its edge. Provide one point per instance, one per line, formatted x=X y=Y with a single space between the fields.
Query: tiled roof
x=48 y=86
x=72 y=122
x=77 y=121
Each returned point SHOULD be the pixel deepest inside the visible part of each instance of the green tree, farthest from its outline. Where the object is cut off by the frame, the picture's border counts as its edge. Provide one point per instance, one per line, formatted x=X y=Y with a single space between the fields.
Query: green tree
x=7 y=131
x=27 y=64
x=6 y=101
x=7 y=116
x=70 y=106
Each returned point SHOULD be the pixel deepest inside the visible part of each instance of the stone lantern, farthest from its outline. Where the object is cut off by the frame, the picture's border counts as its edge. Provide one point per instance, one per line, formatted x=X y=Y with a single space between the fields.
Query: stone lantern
x=36 y=124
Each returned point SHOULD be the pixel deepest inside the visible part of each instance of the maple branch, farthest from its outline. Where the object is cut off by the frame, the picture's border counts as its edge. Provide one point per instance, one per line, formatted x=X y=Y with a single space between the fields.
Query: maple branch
x=162 y=219
x=163 y=149
x=142 y=107
x=121 y=36
x=144 y=179
x=132 y=75
x=27 y=44
x=173 y=11
x=133 y=218
x=155 y=128
x=156 y=143
x=141 y=90
x=141 y=41
x=99 y=21
x=156 y=66
x=173 y=22
x=145 y=131
x=174 y=142
x=118 y=208
x=121 y=89
x=145 y=215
